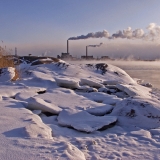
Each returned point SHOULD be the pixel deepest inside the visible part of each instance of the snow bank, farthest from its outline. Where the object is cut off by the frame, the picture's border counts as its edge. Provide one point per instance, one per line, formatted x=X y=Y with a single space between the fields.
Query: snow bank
x=67 y=82
x=7 y=74
x=83 y=121
x=40 y=104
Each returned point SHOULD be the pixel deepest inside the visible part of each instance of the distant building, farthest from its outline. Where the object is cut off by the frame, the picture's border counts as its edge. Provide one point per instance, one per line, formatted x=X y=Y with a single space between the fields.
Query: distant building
x=64 y=56
x=88 y=57
x=105 y=57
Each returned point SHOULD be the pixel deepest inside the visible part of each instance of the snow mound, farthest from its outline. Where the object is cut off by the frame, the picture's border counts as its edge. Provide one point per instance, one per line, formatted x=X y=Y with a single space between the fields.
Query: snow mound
x=67 y=82
x=144 y=113
x=39 y=104
x=37 y=129
x=73 y=153
x=7 y=74
x=100 y=111
x=91 y=83
x=83 y=121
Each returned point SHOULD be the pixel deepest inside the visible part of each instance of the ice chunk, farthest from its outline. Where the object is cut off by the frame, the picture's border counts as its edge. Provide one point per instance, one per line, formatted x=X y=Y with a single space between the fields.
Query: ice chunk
x=100 y=111
x=40 y=104
x=102 y=97
x=83 y=121
x=134 y=90
x=25 y=95
x=91 y=83
x=67 y=82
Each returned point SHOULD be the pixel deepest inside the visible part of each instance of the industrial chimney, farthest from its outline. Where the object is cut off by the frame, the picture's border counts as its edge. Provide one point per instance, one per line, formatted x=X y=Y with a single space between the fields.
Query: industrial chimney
x=86 y=52
x=67 y=46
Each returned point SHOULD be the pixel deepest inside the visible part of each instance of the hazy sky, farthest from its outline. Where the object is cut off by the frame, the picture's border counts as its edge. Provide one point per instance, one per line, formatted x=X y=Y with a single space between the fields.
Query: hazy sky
x=38 y=26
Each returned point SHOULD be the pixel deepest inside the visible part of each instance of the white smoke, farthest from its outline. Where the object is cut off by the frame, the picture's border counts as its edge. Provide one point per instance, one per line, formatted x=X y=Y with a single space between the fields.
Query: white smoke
x=102 y=34
x=152 y=34
x=95 y=45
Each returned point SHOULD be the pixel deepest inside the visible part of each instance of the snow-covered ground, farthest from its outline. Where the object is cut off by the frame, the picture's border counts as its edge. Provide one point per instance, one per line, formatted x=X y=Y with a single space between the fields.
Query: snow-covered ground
x=77 y=112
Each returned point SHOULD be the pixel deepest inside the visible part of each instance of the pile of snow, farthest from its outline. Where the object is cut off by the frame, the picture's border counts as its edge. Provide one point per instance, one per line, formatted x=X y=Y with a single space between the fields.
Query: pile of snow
x=7 y=74
x=35 y=103
x=83 y=121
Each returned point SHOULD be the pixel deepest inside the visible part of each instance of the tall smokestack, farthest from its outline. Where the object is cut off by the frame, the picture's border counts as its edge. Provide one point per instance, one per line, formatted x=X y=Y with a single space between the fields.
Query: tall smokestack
x=86 y=52
x=67 y=46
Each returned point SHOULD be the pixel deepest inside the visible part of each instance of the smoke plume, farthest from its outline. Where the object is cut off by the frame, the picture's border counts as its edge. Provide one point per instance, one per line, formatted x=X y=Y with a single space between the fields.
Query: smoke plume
x=95 y=45
x=152 y=34
x=102 y=34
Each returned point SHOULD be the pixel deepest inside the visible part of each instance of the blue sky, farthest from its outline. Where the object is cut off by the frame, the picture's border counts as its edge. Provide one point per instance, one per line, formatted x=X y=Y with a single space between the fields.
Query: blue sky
x=36 y=26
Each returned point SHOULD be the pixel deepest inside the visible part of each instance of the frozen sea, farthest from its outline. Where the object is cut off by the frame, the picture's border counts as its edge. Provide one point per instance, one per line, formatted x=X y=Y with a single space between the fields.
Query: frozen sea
x=149 y=71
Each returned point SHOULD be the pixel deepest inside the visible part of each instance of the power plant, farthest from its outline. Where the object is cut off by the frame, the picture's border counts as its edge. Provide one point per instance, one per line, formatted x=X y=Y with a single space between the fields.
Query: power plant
x=85 y=57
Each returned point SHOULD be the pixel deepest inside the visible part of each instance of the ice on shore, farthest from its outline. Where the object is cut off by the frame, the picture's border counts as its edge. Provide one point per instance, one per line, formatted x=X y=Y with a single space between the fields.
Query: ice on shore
x=40 y=104
x=67 y=83
x=83 y=121
x=110 y=116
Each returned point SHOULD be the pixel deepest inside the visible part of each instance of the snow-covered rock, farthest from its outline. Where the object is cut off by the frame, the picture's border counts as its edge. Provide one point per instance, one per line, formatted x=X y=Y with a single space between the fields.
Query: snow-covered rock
x=83 y=121
x=35 y=103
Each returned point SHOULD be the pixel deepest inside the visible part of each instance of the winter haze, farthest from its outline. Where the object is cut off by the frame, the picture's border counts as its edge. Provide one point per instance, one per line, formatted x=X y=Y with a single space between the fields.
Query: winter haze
x=126 y=28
